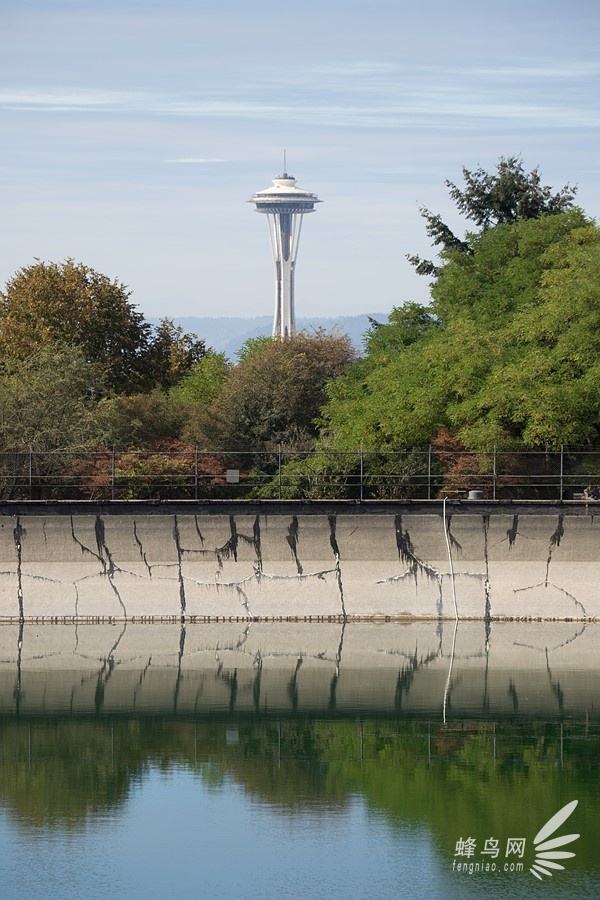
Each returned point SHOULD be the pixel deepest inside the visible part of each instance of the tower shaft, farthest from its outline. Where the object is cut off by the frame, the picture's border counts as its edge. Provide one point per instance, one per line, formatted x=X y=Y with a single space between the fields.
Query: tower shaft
x=285 y=234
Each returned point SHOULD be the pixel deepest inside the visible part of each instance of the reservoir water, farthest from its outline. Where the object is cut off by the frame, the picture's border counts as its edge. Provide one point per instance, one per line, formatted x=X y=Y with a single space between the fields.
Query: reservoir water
x=297 y=762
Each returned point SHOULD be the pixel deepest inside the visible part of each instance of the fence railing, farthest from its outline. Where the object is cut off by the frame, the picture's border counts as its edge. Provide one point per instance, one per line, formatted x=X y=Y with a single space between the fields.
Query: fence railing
x=292 y=474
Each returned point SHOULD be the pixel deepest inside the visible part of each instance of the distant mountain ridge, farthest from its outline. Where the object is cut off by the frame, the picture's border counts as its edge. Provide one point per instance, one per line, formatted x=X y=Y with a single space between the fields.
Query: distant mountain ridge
x=227 y=333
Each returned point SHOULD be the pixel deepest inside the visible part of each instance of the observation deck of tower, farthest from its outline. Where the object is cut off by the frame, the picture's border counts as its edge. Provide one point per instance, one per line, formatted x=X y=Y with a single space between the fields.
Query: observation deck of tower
x=285 y=205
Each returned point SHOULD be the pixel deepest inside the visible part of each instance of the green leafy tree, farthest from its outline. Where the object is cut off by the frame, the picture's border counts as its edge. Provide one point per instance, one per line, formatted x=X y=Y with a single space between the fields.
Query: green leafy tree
x=369 y=405
x=406 y=325
x=488 y=199
x=49 y=401
x=139 y=420
x=204 y=380
x=542 y=388
x=252 y=345
x=508 y=358
x=165 y=473
x=273 y=395
x=173 y=353
x=48 y=406
x=68 y=302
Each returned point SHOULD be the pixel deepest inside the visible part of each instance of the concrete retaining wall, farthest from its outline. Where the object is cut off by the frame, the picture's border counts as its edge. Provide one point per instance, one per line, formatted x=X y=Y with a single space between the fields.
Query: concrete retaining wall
x=272 y=560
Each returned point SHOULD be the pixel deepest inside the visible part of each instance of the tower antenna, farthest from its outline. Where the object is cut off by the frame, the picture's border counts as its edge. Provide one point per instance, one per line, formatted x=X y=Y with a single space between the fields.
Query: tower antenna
x=285 y=162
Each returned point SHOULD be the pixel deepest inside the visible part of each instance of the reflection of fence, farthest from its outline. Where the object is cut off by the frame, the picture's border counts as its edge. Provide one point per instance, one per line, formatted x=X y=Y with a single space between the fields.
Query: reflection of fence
x=362 y=475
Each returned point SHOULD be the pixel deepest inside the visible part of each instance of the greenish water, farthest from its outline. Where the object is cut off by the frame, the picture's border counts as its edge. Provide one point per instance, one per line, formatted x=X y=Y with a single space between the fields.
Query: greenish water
x=250 y=806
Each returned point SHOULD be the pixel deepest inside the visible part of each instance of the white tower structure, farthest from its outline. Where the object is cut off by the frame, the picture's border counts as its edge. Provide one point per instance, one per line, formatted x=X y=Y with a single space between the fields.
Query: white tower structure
x=285 y=205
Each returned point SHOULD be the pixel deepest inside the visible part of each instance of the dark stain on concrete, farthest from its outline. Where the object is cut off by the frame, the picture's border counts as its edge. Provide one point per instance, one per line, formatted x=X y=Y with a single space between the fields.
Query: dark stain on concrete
x=293 y=538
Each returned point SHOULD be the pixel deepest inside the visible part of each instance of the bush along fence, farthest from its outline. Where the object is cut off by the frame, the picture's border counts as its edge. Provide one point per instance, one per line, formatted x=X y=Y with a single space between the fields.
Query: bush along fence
x=196 y=474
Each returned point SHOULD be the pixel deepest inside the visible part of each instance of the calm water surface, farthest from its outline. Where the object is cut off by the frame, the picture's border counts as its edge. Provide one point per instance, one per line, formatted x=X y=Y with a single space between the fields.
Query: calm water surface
x=321 y=803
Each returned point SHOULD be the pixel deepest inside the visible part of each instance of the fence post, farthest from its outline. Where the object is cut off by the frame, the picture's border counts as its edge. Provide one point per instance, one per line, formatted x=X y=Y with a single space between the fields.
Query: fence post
x=112 y=474
x=495 y=474
x=362 y=470
x=196 y=472
x=279 y=468
x=429 y=473
x=562 y=469
x=30 y=472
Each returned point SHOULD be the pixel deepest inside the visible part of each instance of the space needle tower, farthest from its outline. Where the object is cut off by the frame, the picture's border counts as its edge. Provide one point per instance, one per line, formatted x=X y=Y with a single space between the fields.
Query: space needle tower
x=285 y=205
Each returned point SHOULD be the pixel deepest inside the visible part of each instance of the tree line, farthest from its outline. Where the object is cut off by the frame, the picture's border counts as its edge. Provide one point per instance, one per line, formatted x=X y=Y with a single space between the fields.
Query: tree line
x=505 y=355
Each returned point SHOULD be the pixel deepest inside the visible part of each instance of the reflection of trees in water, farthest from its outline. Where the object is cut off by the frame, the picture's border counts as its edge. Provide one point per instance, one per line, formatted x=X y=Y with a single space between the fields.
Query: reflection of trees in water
x=284 y=763
x=473 y=777
x=59 y=772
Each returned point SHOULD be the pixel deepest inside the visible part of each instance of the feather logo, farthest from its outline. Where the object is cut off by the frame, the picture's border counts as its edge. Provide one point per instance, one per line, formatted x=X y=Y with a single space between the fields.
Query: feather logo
x=546 y=852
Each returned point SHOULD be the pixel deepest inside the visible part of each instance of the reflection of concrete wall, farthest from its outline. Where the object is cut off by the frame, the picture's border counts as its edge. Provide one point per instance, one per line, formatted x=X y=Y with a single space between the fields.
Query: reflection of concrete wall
x=299 y=560
x=545 y=670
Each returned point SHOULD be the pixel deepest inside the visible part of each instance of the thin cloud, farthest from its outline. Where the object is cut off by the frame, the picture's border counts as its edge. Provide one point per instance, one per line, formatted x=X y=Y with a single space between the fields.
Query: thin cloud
x=60 y=100
x=378 y=96
x=196 y=160
x=566 y=70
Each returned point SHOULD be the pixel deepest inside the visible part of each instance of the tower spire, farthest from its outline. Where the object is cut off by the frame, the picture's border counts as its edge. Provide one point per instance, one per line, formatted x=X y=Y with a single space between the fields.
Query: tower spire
x=285 y=205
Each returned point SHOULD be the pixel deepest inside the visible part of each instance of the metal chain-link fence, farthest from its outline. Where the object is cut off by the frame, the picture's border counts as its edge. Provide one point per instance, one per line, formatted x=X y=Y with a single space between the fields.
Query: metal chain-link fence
x=428 y=473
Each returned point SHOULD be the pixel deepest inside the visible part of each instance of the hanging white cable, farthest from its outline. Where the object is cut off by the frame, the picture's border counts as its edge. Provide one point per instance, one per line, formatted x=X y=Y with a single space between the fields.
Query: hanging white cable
x=448 y=679
x=452 y=576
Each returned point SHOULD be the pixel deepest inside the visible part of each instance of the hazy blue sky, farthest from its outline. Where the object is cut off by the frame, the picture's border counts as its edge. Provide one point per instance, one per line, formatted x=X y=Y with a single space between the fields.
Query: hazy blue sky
x=132 y=132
